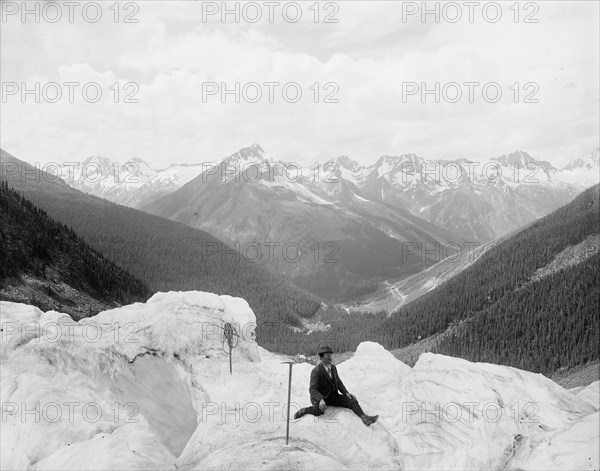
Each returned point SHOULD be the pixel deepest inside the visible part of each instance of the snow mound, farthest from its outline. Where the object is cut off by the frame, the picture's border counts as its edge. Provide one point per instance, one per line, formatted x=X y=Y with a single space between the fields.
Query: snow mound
x=148 y=386
x=456 y=414
x=590 y=394
x=246 y=413
x=69 y=388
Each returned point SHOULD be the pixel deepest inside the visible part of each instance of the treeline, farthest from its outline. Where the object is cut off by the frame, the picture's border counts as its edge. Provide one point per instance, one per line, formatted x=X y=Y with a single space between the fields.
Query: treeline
x=546 y=325
x=32 y=242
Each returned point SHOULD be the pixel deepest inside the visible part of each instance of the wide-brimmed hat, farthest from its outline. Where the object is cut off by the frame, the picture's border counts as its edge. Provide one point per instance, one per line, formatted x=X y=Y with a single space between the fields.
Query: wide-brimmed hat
x=325 y=349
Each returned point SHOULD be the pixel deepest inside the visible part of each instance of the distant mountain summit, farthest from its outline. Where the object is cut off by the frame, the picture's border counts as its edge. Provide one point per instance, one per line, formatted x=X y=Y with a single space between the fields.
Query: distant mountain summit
x=254 y=153
x=515 y=159
x=583 y=172
x=129 y=183
x=591 y=162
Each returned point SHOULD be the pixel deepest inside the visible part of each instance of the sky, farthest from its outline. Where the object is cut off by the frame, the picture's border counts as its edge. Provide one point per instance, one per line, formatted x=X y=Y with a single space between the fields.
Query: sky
x=361 y=79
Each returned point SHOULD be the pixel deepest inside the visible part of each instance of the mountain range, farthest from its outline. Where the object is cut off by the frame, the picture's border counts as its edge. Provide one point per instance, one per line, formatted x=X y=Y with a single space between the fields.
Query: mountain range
x=340 y=229
x=475 y=201
x=415 y=183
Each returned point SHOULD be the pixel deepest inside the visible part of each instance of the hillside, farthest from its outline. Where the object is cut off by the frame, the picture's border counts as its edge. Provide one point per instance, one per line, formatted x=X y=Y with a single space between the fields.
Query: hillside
x=46 y=264
x=166 y=255
x=545 y=326
x=499 y=310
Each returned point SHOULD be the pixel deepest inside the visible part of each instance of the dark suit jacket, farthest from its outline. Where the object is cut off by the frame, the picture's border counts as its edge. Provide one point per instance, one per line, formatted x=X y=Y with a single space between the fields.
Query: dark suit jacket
x=322 y=386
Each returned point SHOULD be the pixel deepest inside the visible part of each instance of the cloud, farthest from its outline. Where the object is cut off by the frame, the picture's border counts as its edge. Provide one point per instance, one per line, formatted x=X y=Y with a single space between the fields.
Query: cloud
x=163 y=61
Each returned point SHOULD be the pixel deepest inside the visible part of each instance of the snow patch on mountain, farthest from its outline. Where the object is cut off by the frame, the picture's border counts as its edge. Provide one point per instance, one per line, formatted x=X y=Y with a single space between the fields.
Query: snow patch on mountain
x=360 y=198
x=178 y=174
x=342 y=167
x=294 y=189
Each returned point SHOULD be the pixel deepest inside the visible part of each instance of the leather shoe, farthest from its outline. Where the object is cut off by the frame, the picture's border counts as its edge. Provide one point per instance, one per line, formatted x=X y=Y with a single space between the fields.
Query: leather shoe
x=369 y=419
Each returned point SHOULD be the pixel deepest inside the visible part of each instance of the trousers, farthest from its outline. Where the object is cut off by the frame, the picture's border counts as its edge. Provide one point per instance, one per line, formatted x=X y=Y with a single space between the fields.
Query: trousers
x=336 y=400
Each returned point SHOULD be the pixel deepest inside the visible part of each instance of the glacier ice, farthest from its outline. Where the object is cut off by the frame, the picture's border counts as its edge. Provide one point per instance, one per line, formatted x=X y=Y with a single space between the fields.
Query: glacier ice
x=147 y=386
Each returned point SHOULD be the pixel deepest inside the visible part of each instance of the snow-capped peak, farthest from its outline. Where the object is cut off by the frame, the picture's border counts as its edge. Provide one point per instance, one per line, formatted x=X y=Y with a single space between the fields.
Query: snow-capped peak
x=538 y=170
x=395 y=160
x=517 y=159
x=251 y=154
x=346 y=168
x=589 y=162
x=140 y=162
x=583 y=172
x=391 y=164
x=346 y=162
x=97 y=161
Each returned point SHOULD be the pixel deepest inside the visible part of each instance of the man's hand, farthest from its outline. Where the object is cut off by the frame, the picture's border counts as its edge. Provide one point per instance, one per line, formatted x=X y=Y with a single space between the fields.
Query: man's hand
x=350 y=395
x=322 y=405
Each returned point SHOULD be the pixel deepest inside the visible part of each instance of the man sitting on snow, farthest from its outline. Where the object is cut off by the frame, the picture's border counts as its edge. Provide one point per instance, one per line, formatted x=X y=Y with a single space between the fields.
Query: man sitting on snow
x=324 y=385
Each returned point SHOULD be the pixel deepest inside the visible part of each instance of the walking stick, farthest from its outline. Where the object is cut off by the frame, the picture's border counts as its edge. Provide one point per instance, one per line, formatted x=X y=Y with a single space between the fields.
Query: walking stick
x=287 y=429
